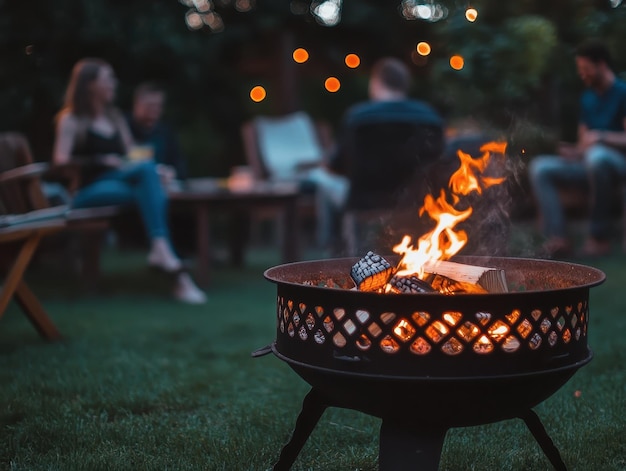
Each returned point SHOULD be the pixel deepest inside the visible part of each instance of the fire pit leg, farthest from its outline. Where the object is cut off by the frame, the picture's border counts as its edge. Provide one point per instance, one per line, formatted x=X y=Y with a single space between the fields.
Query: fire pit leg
x=405 y=447
x=545 y=442
x=313 y=406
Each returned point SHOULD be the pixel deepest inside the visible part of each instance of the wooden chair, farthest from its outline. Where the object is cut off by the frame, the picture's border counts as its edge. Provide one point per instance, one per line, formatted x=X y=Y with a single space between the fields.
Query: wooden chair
x=28 y=234
x=21 y=193
x=279 y=148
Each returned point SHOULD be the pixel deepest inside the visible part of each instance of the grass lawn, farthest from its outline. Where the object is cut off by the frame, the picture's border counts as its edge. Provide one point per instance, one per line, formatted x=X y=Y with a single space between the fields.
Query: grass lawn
x=144 y=383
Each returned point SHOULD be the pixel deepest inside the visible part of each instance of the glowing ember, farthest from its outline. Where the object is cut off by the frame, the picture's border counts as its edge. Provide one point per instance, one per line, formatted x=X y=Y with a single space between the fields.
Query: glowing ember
x=444 y=241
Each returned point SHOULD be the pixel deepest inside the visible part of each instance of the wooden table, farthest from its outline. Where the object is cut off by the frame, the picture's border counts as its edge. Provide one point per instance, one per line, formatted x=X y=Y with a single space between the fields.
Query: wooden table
x=204 y=196
x=14 y=286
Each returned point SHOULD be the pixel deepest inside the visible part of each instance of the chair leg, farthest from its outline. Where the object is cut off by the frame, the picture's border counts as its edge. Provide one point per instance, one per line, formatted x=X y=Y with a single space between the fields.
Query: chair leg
x=35 y=312
x=14 y=277
x=14 y=286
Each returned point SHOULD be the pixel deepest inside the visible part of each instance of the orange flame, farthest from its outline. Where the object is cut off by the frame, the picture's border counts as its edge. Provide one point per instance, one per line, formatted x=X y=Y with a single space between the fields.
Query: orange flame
x=443 y=241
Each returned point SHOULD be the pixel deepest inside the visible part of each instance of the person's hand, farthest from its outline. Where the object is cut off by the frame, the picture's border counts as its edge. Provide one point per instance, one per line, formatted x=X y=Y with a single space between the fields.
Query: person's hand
x=590 y=137
x=112 y=160
x=569 y=151
x=166 y=173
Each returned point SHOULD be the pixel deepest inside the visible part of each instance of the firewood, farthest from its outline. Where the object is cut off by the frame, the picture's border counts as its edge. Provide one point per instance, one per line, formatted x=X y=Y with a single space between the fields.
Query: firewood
x=493 y=280
x=371 y=272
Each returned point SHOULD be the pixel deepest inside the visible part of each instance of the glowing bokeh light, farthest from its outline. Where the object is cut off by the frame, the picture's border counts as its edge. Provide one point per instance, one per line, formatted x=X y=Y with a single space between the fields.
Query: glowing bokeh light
x=257 y=94
x=202 y=5
x=457 y=62
x=471 y=14
x=353 y=61
x=328 y=12
x=300 y=55
x=332 y=84
x=423 y=48
x=193 y=20
x=426 y=10
x=244 y=5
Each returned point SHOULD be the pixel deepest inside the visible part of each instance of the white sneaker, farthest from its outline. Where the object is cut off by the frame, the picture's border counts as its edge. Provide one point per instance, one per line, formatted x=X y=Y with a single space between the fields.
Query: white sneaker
x=186 y=291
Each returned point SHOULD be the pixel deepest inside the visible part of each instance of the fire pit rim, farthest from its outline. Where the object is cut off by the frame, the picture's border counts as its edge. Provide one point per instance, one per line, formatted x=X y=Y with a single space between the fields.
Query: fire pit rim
x=599 y=278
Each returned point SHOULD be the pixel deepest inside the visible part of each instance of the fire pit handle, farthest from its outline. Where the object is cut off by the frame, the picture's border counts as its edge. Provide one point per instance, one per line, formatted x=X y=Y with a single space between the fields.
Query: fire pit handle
x=347 y=358
x=260 y=352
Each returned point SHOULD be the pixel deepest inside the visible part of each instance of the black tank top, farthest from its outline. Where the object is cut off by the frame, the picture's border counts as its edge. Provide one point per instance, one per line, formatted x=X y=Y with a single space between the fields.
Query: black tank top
x=91 y=148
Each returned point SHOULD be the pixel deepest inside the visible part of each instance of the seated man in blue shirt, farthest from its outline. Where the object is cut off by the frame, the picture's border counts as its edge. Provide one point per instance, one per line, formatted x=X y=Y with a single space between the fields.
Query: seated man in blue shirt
x=597 y=159
x=389 y=84
x=150 y=131
x=384 y=142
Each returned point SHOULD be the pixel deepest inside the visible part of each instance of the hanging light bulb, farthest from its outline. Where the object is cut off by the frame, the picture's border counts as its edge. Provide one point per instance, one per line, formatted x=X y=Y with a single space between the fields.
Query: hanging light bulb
x=471 y=14
x=423 y=48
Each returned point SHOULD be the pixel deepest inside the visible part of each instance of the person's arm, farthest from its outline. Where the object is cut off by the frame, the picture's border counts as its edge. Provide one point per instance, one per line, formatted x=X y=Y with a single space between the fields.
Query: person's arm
x=124 y=129
x=613 y=138
x=65 y=136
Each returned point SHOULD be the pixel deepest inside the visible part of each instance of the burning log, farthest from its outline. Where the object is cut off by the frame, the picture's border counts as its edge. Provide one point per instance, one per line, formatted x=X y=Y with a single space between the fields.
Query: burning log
x=374 y=273
x=409 y=284
x=492 y=280
x=371 y=272
x=446 y=285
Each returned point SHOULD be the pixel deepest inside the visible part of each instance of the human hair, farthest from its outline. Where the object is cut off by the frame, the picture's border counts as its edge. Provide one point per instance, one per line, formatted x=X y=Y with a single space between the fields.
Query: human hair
x=77 y=94
x=78 y=100
x=147 y=88
x=596 y=51
x=393 y=74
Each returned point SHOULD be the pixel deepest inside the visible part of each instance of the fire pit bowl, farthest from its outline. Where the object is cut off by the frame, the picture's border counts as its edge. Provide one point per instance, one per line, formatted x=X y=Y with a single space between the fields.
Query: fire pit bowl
x=427 y=362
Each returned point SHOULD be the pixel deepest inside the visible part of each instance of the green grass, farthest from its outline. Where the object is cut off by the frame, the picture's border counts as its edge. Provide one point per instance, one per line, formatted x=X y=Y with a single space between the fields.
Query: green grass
x=144 y=383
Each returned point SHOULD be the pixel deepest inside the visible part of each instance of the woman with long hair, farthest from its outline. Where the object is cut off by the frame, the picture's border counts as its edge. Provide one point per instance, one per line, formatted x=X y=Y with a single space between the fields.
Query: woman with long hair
x=92 y=131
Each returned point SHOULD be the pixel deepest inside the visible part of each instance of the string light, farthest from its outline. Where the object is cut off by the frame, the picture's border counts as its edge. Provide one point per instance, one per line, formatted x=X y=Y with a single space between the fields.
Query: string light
x=423 y=48
x=353 y=61
x=471 y=14
x=300 y=55
x=332 y=84
x=457 y=62
x=257 y=94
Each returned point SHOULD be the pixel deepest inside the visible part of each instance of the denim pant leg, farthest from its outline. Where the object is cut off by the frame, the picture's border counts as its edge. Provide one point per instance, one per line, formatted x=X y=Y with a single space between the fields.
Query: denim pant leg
x=605 y=167
x=136 y=184
x=547 y=173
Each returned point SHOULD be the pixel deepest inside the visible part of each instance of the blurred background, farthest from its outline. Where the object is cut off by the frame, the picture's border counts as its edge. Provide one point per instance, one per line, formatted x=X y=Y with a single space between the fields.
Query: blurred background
x=513 y=70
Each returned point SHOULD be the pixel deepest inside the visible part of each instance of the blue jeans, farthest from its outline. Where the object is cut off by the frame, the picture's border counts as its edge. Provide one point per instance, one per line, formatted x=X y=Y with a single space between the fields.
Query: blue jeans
x=600 y=169
x=136 y=184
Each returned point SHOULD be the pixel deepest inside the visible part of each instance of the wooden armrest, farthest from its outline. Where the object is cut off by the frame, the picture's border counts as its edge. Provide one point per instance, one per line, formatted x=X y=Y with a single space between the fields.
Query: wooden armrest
x=23 y=230
x=67 y=174
x=24 y=172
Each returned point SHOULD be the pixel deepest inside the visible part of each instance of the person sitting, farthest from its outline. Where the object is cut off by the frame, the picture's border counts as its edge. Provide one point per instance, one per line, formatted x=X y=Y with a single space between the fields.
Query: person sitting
x=91 y=130
x=384 y=142
x=151 y=132
x=598 y=158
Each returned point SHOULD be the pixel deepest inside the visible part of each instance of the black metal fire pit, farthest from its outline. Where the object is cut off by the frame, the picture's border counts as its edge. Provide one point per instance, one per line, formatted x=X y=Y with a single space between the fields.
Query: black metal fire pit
x=425 y=363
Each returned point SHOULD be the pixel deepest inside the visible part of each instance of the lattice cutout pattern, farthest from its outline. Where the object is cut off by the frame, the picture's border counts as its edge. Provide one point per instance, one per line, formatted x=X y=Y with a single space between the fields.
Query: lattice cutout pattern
x=420 y=333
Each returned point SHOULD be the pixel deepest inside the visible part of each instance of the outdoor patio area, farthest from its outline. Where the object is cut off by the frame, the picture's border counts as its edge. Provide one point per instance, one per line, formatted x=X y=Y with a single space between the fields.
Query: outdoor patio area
x=142 y=382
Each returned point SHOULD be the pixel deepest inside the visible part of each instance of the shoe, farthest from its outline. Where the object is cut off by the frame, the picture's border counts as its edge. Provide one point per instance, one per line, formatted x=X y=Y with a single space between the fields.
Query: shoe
x=168 y=265
x=187 y=292
x=557 y=247
x=595 y=248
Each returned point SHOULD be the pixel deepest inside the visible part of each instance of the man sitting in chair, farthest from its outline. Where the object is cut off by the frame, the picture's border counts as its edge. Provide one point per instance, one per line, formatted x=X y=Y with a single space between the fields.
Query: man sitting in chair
x=384 y=142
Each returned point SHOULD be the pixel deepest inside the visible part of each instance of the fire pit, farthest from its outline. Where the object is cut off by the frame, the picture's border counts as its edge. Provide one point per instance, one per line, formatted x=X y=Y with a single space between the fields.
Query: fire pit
x=427 y=362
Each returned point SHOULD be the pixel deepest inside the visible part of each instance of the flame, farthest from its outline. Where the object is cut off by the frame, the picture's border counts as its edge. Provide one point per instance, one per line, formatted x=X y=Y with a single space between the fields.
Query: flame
x=444 y=241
